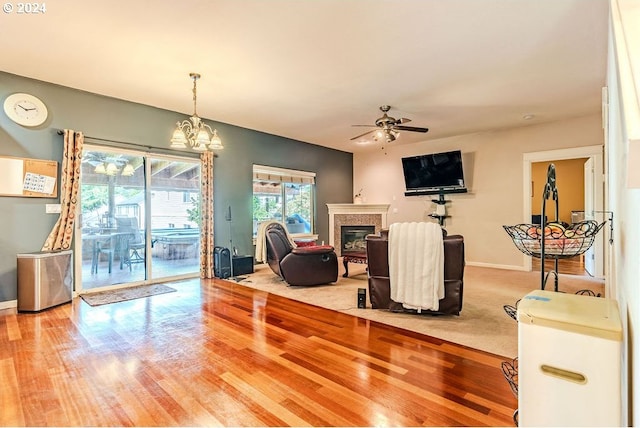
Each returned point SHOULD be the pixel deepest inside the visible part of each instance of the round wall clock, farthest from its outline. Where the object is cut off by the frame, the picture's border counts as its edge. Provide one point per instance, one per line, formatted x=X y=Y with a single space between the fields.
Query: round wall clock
x=25 y=109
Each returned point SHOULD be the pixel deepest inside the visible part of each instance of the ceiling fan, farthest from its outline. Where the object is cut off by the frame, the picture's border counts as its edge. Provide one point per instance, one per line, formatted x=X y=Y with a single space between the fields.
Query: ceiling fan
x=388 y=127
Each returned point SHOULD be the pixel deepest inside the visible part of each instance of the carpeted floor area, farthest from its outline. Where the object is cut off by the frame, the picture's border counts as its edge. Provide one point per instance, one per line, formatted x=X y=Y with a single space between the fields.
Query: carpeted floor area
x=123 y=294
x=483 y=323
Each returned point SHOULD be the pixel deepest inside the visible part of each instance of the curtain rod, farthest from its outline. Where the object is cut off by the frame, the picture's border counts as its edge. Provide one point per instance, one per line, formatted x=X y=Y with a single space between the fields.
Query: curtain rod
x=126 y=144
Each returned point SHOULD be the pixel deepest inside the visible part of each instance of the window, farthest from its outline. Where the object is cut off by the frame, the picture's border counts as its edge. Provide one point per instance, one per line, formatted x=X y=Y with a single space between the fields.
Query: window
x=283 y=195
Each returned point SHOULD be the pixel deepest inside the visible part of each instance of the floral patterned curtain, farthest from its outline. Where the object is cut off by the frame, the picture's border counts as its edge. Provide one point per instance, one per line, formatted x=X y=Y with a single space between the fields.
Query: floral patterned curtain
x=62 y=233
x=206 y=229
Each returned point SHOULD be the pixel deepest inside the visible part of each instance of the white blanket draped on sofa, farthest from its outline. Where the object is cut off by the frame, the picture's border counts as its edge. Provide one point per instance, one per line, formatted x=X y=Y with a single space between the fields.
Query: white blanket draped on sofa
x=416 y=265
x=261 y=240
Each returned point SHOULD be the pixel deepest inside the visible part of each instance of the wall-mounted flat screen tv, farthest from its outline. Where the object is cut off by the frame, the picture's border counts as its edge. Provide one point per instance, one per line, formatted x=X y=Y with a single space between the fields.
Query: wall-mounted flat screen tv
x=434 y=173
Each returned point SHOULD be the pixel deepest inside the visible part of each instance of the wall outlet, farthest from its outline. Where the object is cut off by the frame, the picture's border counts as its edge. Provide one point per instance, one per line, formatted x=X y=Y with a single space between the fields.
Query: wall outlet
x=53 y=208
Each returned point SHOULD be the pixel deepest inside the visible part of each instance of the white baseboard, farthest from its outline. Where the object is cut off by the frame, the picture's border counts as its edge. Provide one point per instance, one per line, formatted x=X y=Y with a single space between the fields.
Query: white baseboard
x=495 y=266
x=9 y=304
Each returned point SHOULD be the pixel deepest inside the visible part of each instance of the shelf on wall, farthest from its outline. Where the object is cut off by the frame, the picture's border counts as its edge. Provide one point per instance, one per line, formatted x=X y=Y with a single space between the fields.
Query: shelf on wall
x=441 y=200
x=440 y=218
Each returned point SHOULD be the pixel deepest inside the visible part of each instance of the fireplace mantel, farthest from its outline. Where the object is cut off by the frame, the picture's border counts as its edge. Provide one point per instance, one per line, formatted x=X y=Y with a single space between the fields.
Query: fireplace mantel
x=358 y=209
x=378 y=210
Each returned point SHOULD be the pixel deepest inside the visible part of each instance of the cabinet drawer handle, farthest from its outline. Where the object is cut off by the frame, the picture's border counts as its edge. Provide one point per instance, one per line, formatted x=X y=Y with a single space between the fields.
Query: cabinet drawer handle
x=563 y=374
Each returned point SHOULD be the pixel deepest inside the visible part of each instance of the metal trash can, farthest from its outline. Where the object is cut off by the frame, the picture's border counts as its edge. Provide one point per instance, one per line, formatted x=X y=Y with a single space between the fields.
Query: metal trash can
x=45 y=279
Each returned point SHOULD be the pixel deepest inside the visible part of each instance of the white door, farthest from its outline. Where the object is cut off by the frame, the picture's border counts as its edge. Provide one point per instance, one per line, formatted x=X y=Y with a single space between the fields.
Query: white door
x=593 y=256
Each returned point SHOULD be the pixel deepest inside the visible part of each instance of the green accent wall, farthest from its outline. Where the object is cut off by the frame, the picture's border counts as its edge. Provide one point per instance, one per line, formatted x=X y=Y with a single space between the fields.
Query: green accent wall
x=25 y=225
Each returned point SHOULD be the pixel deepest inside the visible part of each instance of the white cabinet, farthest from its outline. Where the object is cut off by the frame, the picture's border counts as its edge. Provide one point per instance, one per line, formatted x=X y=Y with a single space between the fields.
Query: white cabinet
x=569 y=351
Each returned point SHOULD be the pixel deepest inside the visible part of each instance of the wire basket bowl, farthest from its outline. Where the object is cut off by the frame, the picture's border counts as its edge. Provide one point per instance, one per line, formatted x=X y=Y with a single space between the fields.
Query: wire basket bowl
x=559 y=241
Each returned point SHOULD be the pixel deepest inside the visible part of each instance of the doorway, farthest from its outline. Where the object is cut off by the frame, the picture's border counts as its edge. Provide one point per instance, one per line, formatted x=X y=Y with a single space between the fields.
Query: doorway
x=570 y=181
x=592 y=154
x=138 y=217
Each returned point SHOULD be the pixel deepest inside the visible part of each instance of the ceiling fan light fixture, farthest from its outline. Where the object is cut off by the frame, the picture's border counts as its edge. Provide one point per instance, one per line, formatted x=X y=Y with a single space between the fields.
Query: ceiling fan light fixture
x=390 y=136
x=386 y=135
x=389 y=128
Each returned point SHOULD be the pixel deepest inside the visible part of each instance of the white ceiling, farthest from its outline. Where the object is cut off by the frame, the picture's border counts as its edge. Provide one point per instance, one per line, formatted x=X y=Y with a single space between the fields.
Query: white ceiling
x=308 y=70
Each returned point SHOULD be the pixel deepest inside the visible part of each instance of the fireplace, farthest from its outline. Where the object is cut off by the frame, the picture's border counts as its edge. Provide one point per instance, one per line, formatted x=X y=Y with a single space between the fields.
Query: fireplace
x=354 y=215
x=352 y=238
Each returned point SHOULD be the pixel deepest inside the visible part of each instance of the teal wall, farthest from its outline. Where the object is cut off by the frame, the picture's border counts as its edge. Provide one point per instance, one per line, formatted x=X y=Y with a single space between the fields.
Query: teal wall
x=25 y=225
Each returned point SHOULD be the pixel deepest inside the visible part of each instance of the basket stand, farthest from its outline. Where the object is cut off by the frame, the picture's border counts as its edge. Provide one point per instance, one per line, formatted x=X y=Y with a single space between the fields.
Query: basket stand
x=552 y=240
x=550 y=190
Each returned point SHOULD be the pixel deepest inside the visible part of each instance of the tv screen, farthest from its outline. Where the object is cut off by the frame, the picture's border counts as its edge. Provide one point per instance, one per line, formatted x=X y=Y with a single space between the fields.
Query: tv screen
x=434 y=173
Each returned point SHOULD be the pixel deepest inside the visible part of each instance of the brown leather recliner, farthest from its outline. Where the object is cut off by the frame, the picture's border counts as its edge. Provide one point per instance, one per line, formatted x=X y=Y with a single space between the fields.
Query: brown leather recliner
x=378 y=273
x=312 y=265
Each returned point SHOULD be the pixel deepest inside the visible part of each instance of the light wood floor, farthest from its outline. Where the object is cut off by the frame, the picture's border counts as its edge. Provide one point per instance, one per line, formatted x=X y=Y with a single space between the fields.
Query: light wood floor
x=570 y=266
x=218 y=353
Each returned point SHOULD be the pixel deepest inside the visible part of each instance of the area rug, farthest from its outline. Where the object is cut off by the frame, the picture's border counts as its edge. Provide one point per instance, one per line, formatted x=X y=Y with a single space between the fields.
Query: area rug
x=483 y=323
x=123 y=294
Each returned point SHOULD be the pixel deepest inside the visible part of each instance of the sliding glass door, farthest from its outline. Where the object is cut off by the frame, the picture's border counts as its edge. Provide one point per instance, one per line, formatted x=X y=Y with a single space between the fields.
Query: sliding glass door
x=139 y=219
x=174 y=216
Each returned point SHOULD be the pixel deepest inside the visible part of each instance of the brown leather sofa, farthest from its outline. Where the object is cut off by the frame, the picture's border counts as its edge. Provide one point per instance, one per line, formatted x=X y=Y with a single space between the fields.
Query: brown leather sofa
x=309 y=265
x=378 y=273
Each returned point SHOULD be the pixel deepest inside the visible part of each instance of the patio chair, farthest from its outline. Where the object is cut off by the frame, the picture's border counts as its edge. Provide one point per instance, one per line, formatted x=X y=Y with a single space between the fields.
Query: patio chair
x=132 y=243
x=104 y=246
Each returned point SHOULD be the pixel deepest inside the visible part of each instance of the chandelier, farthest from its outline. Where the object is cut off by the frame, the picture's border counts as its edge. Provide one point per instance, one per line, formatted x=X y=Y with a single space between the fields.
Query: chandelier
x=193 y=131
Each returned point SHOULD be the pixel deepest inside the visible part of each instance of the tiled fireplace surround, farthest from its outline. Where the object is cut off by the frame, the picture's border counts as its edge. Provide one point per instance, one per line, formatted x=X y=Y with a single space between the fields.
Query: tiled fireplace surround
x=352 y=215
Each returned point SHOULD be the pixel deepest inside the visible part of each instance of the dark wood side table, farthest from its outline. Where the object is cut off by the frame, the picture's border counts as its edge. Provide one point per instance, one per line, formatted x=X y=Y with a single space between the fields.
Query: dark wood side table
x=360 y=258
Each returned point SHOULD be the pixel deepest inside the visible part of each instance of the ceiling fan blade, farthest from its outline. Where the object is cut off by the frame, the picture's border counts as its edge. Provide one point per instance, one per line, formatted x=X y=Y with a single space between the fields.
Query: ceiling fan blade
x=410 y=128
x=402 y=120
x=362 y=135
x=370 y=126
